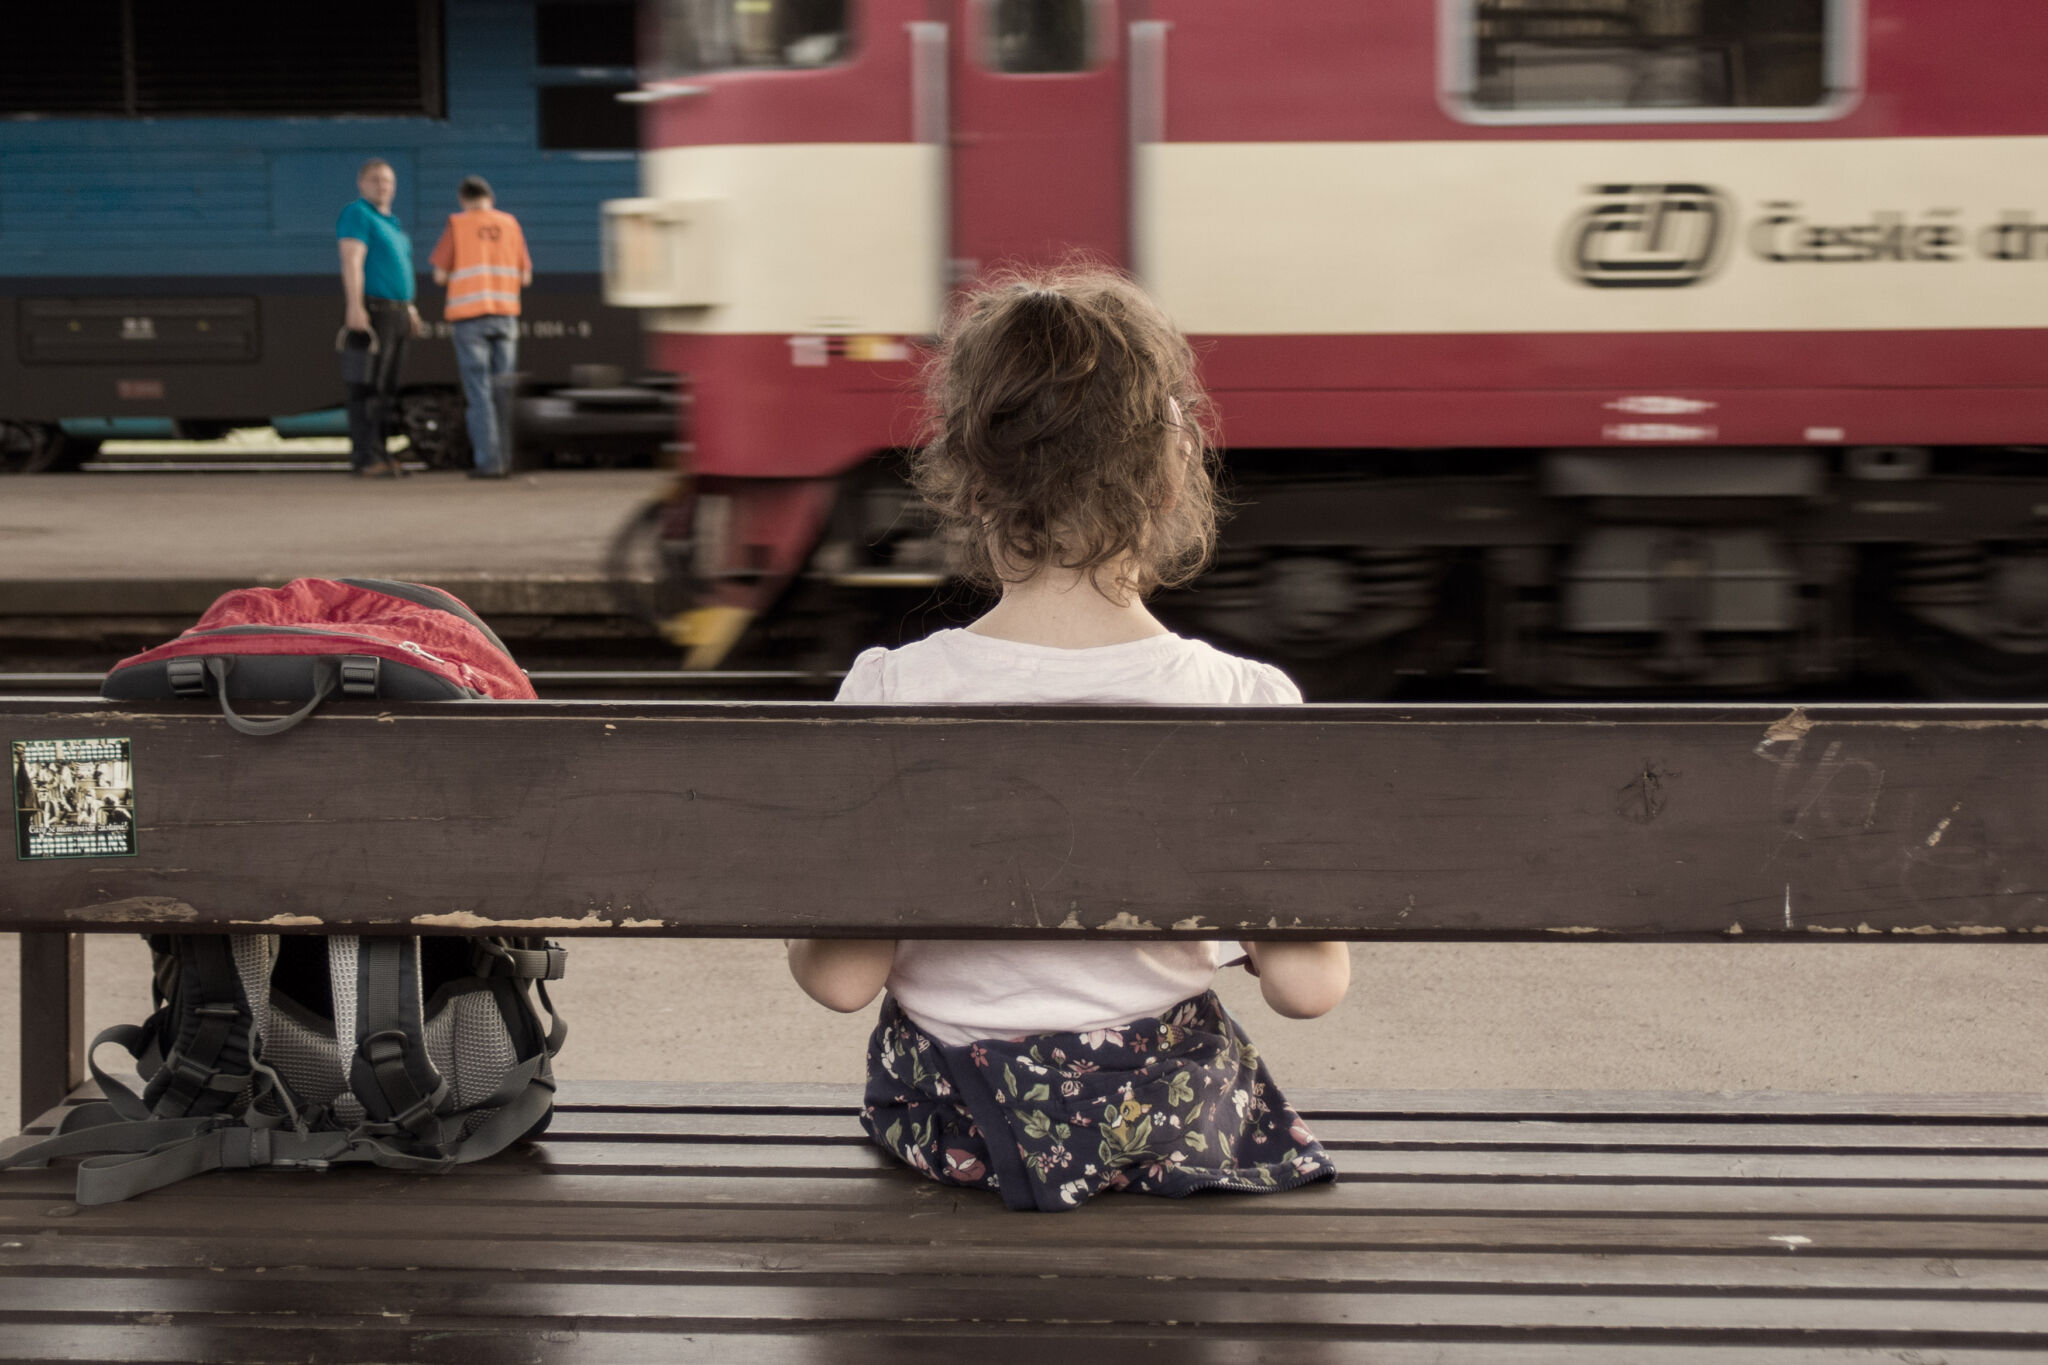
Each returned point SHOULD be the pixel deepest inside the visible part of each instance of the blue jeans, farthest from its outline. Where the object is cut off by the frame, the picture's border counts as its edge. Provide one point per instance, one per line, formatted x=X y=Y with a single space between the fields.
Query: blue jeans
x=485 y=348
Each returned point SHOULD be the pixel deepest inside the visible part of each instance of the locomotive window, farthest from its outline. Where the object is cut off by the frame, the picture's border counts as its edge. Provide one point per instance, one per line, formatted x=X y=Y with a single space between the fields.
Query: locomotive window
x=587 y=118
x=225 y=57
x=597 y=33
x=61 y=59
x=720 y=35
x=1035 y=36
x=1640 y=60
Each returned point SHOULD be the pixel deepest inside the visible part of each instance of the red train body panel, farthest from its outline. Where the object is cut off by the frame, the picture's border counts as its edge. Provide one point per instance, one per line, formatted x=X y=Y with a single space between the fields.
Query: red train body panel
x=1591 y=328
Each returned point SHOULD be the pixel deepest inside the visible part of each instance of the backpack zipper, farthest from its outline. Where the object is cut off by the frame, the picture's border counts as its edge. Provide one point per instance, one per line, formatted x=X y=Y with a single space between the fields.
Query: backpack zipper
x=463 y=670
x=424 y=595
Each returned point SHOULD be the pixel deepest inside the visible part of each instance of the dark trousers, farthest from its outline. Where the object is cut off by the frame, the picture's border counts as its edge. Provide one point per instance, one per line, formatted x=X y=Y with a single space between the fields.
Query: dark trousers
x=373 y=405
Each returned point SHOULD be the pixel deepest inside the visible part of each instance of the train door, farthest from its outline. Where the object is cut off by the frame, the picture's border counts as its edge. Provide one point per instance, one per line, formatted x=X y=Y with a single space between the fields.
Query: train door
x=1040 y=137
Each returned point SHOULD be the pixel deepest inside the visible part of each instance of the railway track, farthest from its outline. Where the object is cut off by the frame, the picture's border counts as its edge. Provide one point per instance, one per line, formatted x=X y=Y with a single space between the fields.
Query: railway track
x=553 y=684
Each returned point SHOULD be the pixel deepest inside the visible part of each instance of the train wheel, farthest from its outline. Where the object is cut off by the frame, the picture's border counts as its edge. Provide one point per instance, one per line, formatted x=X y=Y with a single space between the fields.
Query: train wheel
x=38 y=448
x=1986 y=593
x=1948 y=667
x=433 y=421
x=648 y=565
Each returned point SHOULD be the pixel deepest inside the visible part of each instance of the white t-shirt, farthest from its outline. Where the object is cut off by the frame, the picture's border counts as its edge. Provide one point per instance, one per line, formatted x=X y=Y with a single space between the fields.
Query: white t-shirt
x=961 y=991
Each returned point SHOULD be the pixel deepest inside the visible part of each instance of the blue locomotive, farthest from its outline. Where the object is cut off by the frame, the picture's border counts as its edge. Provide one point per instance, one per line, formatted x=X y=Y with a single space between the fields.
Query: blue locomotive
x=170 y=176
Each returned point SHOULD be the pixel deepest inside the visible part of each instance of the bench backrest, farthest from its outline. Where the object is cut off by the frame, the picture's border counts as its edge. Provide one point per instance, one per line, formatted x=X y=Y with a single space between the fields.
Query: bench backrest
x=798 y=818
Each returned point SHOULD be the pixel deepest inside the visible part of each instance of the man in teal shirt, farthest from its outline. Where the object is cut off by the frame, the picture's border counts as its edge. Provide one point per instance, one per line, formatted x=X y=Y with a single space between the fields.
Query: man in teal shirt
x=377 y=282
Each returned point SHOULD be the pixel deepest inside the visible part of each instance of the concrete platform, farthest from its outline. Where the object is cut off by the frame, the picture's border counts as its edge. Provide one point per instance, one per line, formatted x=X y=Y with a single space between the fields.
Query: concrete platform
x=165 y=545
x=1825 y=1017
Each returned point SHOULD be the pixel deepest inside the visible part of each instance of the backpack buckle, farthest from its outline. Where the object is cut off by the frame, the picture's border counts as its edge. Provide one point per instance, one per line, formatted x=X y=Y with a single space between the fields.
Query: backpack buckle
x=187 y=677
x=185 y=1069
x=412 y=1119
x=547 y=963
x=219 y=1010
x=381 y=1049
x=359 y=675
x=386 y=1054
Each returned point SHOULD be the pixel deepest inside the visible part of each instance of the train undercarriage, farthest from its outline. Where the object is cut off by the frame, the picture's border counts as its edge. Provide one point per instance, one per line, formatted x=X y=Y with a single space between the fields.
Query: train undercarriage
x=600 y=418
x=1680 y=572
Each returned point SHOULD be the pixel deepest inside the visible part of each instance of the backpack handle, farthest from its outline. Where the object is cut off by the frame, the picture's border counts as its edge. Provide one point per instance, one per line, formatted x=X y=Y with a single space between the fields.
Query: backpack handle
x=327 y=677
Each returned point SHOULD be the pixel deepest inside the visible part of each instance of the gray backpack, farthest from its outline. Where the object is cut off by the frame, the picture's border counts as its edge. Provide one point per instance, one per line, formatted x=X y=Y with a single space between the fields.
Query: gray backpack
x=297 y=1052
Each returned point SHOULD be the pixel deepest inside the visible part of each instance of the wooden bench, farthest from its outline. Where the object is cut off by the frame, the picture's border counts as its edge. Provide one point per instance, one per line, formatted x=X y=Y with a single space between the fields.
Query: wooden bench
x=712 y=1223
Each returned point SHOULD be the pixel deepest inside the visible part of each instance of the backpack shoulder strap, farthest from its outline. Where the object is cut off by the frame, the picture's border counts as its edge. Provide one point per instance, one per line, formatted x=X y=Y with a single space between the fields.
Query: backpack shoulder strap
x=389 y=1070
x=205 y=1039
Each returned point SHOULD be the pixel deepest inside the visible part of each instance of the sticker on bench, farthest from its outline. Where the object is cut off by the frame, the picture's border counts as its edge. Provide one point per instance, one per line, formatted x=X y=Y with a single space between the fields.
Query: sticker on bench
x=74 y=798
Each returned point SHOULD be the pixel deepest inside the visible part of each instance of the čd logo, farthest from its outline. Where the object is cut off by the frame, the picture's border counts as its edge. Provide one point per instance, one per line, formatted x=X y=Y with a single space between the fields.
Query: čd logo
x=1649 y=236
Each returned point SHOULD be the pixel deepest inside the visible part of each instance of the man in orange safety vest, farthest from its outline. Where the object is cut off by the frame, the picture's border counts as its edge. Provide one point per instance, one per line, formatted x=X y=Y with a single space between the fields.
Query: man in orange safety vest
x=482 y=259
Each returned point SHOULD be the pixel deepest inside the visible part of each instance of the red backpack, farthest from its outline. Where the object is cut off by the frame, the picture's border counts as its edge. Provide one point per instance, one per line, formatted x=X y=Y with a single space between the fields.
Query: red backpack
x=315 y=638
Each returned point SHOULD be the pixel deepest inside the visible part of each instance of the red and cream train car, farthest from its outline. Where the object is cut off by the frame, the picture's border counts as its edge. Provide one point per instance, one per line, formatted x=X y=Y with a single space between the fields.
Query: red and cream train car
x=1588 y=344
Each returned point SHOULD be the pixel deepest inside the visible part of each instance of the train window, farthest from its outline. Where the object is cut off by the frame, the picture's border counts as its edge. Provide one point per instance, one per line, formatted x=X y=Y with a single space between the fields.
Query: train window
x=1638 y=60
x=61 y=59
x=720 y=35
x=1036 y=36
x=594 y=33
x=226 y=57
x=587 y=118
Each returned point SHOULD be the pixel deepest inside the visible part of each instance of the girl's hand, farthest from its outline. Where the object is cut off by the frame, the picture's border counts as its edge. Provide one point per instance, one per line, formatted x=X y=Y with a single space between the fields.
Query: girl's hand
x=1301 y=980
x=843 y=974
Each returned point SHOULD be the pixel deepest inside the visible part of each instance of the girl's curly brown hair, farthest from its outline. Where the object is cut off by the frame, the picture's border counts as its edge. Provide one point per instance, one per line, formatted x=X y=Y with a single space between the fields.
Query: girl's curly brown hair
x=1068 y=429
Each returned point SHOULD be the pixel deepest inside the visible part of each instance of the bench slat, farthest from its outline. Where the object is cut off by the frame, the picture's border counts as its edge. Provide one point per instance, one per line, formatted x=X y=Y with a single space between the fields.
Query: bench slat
x=1172 y=1310
x=588 y=1125
x=263 y=1344
x=1619 y=1110
x=1358 y=821
x=1749 y=1168
x=543 y=1257
x=642 y=1202
x=1617 y=1106
x=1221 y=1229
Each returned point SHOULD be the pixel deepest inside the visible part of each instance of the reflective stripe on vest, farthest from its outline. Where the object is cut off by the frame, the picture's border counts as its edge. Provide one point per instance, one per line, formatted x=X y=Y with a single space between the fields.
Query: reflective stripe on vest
x=488 y=253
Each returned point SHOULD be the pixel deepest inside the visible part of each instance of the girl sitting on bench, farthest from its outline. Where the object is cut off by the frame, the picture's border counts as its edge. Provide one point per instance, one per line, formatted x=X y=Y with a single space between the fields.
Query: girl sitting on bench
x=1069 y=452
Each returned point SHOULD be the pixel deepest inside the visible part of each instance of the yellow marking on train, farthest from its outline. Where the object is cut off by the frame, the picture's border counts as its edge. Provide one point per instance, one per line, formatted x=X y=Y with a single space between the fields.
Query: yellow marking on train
x=707 y=633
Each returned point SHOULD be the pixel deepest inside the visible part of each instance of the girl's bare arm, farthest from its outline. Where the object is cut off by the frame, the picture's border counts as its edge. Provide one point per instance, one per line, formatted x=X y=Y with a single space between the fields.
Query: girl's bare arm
x=843 y=974
x=1301 y=980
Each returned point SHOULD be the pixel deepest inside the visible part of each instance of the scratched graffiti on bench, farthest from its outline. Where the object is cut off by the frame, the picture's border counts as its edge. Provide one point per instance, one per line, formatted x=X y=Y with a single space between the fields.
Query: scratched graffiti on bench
x=1933 y=845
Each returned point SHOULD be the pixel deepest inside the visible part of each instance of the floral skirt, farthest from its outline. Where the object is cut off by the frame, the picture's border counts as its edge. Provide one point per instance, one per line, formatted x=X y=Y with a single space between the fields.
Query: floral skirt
x=1165 y=1106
